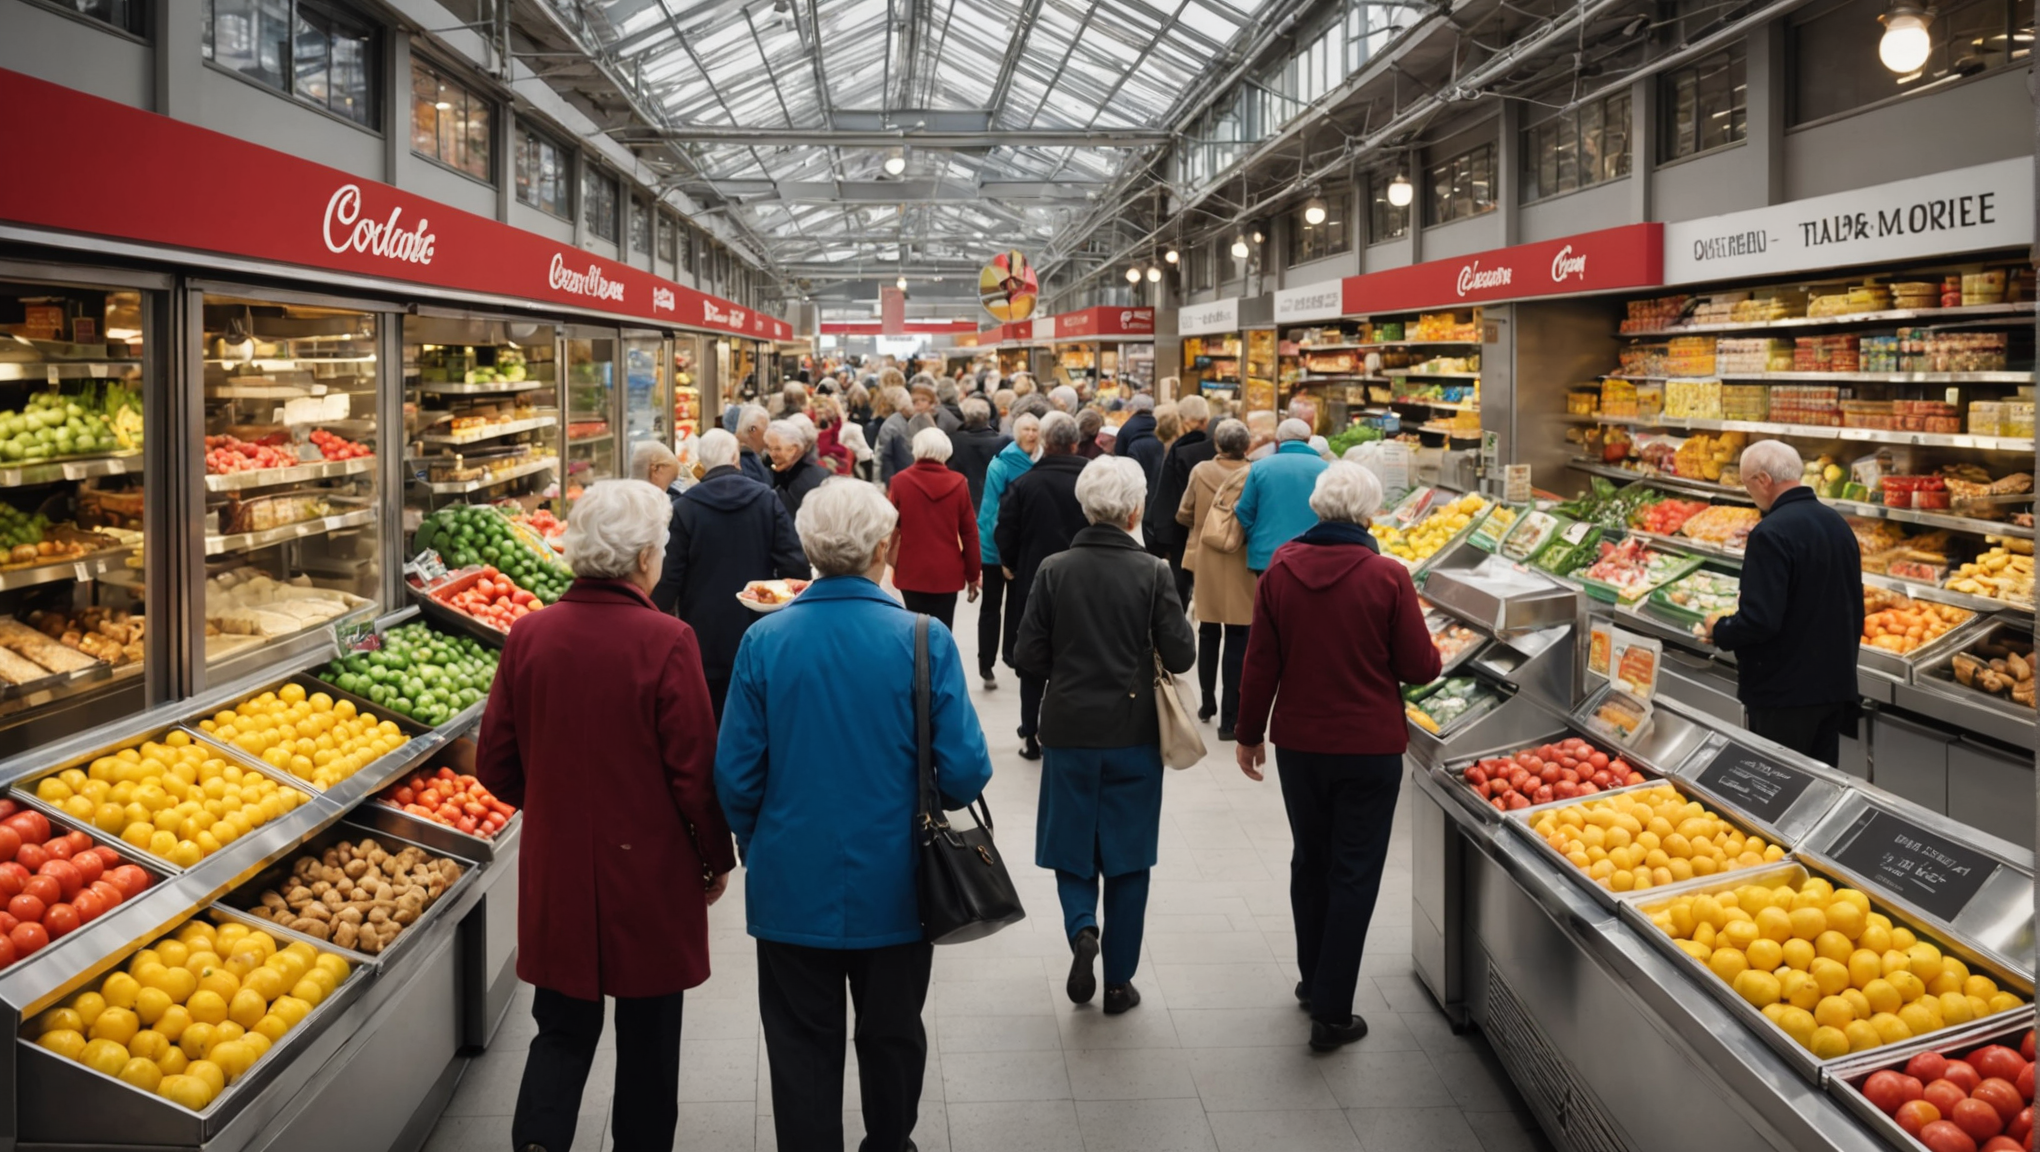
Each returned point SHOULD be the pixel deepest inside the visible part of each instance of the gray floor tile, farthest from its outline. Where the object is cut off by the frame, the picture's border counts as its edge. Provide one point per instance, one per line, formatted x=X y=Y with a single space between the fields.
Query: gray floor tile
x=1264 y=984
x=1259 y=1079
x=1507 y=1132
x=1008 y=996
x=997 y=1033
x=977 y=1077
x=1036 y=1126
x=1410 y=1129
x=1283 y=1132
x=1147 y=1026
x=729 y=1126
x=1386 y=1080
x=1242 y=1027
x=1144 y=1126
x=1130 y=1074
x=713 y=1071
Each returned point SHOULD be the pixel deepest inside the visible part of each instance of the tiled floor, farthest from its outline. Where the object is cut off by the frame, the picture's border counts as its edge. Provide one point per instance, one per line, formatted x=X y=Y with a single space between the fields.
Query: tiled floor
x=1213 y=1059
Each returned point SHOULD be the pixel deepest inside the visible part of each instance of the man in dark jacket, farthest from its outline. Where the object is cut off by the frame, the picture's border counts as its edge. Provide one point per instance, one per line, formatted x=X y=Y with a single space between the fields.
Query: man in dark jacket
x=1165 y=537
x=1799 y=622
x=974 y=446
x=1038 y=516
x=1137 y=439
x=750 y=430
x=794 y=470
x=728 y=530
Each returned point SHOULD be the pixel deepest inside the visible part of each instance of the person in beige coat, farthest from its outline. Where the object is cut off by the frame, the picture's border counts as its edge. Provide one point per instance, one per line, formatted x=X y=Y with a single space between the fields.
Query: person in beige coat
x=1223 y=594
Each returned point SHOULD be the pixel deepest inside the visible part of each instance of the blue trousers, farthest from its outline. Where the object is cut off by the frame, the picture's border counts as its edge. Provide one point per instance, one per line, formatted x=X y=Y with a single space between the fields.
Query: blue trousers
x=1340 y=811
x=1126 y=900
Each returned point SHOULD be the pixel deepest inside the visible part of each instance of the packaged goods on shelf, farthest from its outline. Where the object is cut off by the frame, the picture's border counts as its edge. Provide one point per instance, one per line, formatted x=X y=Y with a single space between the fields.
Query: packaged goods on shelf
x=1753 y=354
x=242 y=601
x=1725 y=525
x=1631 y=570
x=1697 y=595
x=1924 y=492
x=1745 y=402
x=1781 y=304
x=1643 y=360
x=1618 y=398
x=1986 y=418
x=1693 y=399
x=2018 y=419
x=1983 y=287
x=1689 y=356
x=1955 y=350
x=1330 y=363
x=1866 y=414
x=1915 y=294
x=1582 y=401
x=1716 y=308
x=1702 y=457
x=1825 y=354
x=2004 y=572
x=1650 y=400
x=1878 y=353
x=1816 y=404
x=1666 y=516
x=1878 y=542
x=1447 y=365
x=1446 y=326
x=1652 y=314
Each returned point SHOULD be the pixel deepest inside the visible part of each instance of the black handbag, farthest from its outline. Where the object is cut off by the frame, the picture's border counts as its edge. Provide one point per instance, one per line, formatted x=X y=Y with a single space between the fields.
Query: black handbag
x=966 y=893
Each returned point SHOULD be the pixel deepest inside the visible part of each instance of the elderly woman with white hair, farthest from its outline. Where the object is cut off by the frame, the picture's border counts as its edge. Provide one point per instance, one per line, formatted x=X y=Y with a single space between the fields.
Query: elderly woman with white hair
x=1100 y=615
x=788 y=445
x=935 y=547
x=598 y=725
x=1274 y=504
x=826 y=823
x=1347 y=621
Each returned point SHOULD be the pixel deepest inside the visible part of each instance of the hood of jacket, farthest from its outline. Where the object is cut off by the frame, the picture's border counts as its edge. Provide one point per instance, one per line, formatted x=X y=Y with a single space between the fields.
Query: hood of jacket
x=727 y=489
x=1327 y=554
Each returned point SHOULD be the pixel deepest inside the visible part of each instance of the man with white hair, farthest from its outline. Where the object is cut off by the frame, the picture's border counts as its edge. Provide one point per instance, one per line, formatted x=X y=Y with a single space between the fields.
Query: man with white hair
x=1274 y=504
x=727 y=531
x=1799 y=621
x=1038 y=517
x=750 y=430
x=654 y=463
x=1191 y=448
x=1065 y=399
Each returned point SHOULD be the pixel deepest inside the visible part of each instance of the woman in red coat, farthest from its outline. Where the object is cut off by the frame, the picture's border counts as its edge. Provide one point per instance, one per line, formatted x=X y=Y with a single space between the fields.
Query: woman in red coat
x=599 y=727
x=935 y=549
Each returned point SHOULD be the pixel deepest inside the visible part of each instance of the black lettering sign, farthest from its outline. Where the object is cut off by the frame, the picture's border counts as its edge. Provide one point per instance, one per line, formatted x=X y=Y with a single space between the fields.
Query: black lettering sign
x=1923 y=868
x=1754 y=783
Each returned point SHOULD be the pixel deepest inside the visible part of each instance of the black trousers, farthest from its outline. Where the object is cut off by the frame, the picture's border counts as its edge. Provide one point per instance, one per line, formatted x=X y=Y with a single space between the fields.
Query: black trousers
x=1340 y=810
x=1184 y=577
x=1814 y=730
x=1031 y=692
x=800 y=1003
x=646 y=1107
x=940 y=605
x=718 y=695
x=1222 y=645
x=995 y=634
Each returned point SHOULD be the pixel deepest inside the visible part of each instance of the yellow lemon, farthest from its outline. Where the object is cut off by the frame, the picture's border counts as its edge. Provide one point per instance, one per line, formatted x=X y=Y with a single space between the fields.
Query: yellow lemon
x=151 y=1003
x=219 y=982
x=223 y=1032
x=1800 y=954
x=265 y=982
x=178 y=983
x=1902 y=938
x=211 y=1073
x=88 y=1006
x=62 y=1020
x=116 y=1024
x=174 y=1061
x=1800 y=989
x=1774 y=924
x=1765 y=955
x=104 y=1056
x=1808 y=922
x=1758 y=987
x=149 y=1045
x=1876 y=937
x=1882 y=995
x=1728 y=963
x=292 y=1009
x=1862 y=1035
x=173 y=1022
x=1697 y=951
x=247 y=1007
x=1828 y=1043
x=1924 y=961
x=1740 y=933
x=1844 y=917
x=271 y=1026
x=1798 y=1023
x=2004 y=1002
x=1831 y=1012
x=1864 y=966
x=142 y=1073
x=334 y=964
x=173 y=952
x=1982 y=986
x=1909 y=986
x=233 y=1058
x=1773 y=1012
x=196 y=1040
x=1890 y=1029
x=309 y=991
x=1833 y=945
x=1896 y=961
x=258 y=1042
x=1829 y=975
x=1917 y=1017
x=1858 y=1002
x=207 y=1006
x=1955 y=1008
x=186 y=1091
x=120 y=990
x=65 y=1042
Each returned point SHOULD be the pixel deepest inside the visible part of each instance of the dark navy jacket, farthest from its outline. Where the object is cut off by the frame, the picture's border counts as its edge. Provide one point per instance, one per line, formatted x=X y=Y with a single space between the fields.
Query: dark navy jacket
x=727 y=531
x=1800 y=619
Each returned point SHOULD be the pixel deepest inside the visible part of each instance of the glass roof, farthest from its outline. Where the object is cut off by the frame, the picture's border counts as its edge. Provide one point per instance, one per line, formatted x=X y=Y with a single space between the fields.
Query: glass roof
x=1117 y=64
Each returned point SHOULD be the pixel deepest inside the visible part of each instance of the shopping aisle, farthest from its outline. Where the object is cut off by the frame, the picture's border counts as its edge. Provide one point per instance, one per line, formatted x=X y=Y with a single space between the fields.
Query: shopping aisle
x=1213 y=1058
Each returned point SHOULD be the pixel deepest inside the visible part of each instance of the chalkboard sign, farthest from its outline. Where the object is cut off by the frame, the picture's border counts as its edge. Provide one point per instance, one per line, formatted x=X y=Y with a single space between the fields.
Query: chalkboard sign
x=1754 y=782
x=1924 y=868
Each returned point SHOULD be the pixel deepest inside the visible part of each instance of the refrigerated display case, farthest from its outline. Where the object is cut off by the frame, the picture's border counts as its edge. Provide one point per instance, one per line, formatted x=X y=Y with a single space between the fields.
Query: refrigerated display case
x=481 y=412
x=648 y=390
x=690 y=416
x=593 y=409
x=293 y=496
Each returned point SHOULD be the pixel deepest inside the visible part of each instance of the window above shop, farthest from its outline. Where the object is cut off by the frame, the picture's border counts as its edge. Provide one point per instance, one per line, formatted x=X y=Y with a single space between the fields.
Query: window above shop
x=1330 y=236
x=126 y=15
x=323 y=54
x=668 y=237
x=1385 y=221
x=1577 y=148
x=640 y=226
x=1832 y=52
x=542 y=178
x=1461 y=187
x=598 y=201
x=1703 y=106
x=450 y=123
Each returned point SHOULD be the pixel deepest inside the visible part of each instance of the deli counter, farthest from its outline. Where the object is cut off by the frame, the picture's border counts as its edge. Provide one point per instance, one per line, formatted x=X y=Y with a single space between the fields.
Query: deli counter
x=1586 y=866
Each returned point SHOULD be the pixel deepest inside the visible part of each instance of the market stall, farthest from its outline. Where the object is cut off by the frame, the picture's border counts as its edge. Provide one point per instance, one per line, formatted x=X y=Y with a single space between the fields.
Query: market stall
x=1229 y=350
x=1106 y=345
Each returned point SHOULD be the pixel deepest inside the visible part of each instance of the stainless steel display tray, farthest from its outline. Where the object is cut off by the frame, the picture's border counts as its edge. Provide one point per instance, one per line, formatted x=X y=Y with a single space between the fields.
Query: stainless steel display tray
x=1846 y=1075
x=1937 y=676
x=1499 y=595
x=1793 y=870
x=1663 y=744
x=1450 y=774
x=419 y=740
x=1900 y=667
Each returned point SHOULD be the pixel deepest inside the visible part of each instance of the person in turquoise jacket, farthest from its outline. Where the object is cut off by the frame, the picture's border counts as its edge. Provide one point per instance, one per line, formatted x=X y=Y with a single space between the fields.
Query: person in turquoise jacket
x=1274 y=504
x=817 y=777
x=996 y=636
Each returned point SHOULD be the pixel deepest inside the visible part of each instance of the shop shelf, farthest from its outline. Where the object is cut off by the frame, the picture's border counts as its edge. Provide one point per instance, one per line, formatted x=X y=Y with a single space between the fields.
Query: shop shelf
x=267 y=391
x=491 y=431
x=1393 y=373
x=1821 y=432
x=1438 y=405
x=295 y=474
x=1388 y=344
x=499 y=388
x=51 y=371
x=461 y=487
x=1847 y=507
x=1891 y=316
x=1850 y=377
x=70 y=468
x=216 y=545
x=90 y=566
x=1983 y=605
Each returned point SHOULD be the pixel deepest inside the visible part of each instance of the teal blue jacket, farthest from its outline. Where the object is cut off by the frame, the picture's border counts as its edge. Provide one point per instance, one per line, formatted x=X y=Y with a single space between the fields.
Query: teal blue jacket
x=1006 y=467
x=1274 y=504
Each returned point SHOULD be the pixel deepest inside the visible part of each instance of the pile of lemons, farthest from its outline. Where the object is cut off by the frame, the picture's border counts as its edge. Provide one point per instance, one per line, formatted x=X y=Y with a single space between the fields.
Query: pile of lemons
x=1649 y=838
x=1824 y=966
x=1433 y=532
x=184 y=1023
x=309 y=736
x=175 y=799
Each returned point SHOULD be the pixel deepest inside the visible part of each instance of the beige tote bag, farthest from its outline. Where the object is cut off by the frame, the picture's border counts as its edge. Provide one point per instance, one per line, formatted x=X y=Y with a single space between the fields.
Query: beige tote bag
x=1222 y=531
x=1182 y=742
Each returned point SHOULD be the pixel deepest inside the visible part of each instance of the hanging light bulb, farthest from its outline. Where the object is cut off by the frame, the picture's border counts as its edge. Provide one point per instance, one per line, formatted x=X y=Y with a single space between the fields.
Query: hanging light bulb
x=896 y=163
x=1257 y=236
x=1154 y=274
x=1906 y=43
x=1171 y=256
x=1401 y=191
x=1133 y=274
x=1314 y=211
x=1239 y=247
x=901 y=283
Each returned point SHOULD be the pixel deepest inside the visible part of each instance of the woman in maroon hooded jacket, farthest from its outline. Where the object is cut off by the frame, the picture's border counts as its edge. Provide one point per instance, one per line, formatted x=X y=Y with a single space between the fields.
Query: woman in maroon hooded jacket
x=935 y=548
x=1346 y=619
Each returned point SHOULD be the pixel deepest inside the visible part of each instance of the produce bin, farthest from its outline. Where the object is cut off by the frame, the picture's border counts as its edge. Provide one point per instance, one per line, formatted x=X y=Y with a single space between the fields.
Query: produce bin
x=1451 y=774
x=1845 y=1080
x=432 y=604
x=1994 y=714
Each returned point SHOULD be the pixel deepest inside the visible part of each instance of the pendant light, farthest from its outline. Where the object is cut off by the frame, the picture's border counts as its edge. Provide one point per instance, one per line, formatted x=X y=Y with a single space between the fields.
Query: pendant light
x=1906 y=43
x=1239 y=247
x=1314 y=211
x=896 y=163
x=1154 y=274
x=1171 y=256
x=1133 y=274
x=901 y=283
x=1401 y=191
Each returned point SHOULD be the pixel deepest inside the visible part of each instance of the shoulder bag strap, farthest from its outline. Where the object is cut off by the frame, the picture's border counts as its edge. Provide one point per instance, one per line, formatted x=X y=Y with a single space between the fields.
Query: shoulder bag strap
x=933 y=819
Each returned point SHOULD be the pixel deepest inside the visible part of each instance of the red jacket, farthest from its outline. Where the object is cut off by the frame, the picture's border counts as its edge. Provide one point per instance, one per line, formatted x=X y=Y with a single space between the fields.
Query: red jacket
x=1337 y=627
x=599 y=727
x=938 y=536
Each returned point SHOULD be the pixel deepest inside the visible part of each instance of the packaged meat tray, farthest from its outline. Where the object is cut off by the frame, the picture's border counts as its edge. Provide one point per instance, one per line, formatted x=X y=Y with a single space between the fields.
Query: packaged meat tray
x=1630 y=571
x=1695 y=596
x=1532 y=532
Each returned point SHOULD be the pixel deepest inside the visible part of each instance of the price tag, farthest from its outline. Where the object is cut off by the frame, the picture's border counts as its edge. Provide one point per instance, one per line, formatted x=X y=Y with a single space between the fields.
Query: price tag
x=1763 y=788
x=1924 y=868
x=427 y=567
x=53 y=374
x=81 y=571
x=350 y=636
x=1576 y=532
x=1516 y=484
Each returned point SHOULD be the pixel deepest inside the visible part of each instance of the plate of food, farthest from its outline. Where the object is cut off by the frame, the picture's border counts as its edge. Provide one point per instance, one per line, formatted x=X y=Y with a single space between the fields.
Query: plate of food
x=770 y=595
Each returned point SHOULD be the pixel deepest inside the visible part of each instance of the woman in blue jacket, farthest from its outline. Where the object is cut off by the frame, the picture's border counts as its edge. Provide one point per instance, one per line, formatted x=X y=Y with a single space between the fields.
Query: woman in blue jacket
x=1012 y=461
x=826 y=828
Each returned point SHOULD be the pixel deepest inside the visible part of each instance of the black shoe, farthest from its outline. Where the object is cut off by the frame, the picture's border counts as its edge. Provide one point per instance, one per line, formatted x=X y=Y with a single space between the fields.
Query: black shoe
x=1225 y=733
x=1302 y=996
x=1083 y=982
x=1207 y=710
x=1031 y=750
x=1120 y=997
x=991 y=681
x=1329 y=1037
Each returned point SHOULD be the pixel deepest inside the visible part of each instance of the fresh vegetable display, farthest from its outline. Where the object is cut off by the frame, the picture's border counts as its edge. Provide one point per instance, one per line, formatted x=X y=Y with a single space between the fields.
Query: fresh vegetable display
x=1726 y=525
x=227 y=455
x=1444 y=703
x=1632 y=568
x=1531 y=533
x=1649 y=838
x=1700 y=593
x=334 y=447
x=191 y=1013
x=358 y=894
x=495 y=600
x=1564 y=555
x=53 y=424
x=1354 y=436
x=1604 y=504
x=456 y=800
x=1495 y=528
x=306 y=734
x=156 y=796
x=466 y=535
x=1421 y=542
x=1664 y=517
x=1825 y=966
x=20 y=529
x=1981 y=1100
x=1563 y=771
x=55 y=882
x=419 y=672
x=1895 y=623
x=1451 y=637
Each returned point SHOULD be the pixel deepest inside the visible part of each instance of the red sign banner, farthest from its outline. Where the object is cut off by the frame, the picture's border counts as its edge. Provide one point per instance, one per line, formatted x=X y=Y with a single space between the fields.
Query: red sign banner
x=213 y=193
x=892 y=311
x=1017 y=332
x=1105 y=322
x=1632 y=256
x=908 y=327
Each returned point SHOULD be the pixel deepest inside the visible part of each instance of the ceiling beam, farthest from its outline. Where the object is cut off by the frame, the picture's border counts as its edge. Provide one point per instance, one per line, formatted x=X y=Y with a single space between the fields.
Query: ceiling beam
x=904 y=191
x=842 y=137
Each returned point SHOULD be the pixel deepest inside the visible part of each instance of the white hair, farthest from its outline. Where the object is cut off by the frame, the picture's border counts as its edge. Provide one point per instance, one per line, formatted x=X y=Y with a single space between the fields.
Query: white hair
x=716 y=449
x=1059 y=431
x=749 y=417
x=1064 y=397
x=786 y=430
x=1773 y=458
x=1346 y=492
x=1112 y=490
x=1193 y=408
x=1292 y=429
x=646 y=455
x=806 y=424
x=842 y=523
x=1231 y=438
x=613 y=523
x=1026 y=420
x=931 y=444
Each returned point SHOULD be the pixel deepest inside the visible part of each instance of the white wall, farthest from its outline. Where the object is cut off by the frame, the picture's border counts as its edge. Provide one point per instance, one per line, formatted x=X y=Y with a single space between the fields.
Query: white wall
x=37 y=42
x=417 y=174
x=543 y=223
x=1463 y=237
x=1587 y=210
x=1967 y=124
x=245 y=111
x=1726 y=180
x=1389 y=254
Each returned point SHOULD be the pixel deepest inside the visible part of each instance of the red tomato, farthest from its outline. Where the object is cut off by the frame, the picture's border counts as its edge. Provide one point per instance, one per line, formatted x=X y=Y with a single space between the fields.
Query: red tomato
x=90 y=867
x=89 y=906
x=2026 y=1045
x=1886 y=1090
x=2000 y=1094
x=1997 y=1061
x=7 y=923
x=8 y=808
x=1598 y=760
x=66 y=875
x=61 y=920
x=1944 y=1136
x=79 y=842
x=107 y=856
x=6 y=951
x=131 y=881
x=1914 y=1115
x=1944 y=1095
x=2021 y=1127
x=32 y=856
x=10 y=883
x=10 y=842
x=26 y=907
x=2002 y=1144
x=2024 y=1083
x=29 y=939
x=1928 y=1066
x=43 y=887
x=1978 y=1119
x=31 y=825
x=109 y=896
x=466 y=824
x=1963 y=1074
x=58 y=848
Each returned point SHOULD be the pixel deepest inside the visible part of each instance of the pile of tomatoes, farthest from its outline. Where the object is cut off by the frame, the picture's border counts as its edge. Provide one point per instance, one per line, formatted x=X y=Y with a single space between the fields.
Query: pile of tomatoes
x=453 y=799
x=226 y=455
x=54 y=885
x=495 y=600
x=1982 y=1101
x=1566 y=770
x=338 y=447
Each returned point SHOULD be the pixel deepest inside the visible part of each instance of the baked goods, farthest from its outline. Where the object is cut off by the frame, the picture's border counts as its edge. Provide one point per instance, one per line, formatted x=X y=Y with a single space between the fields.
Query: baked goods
x=358 y=894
